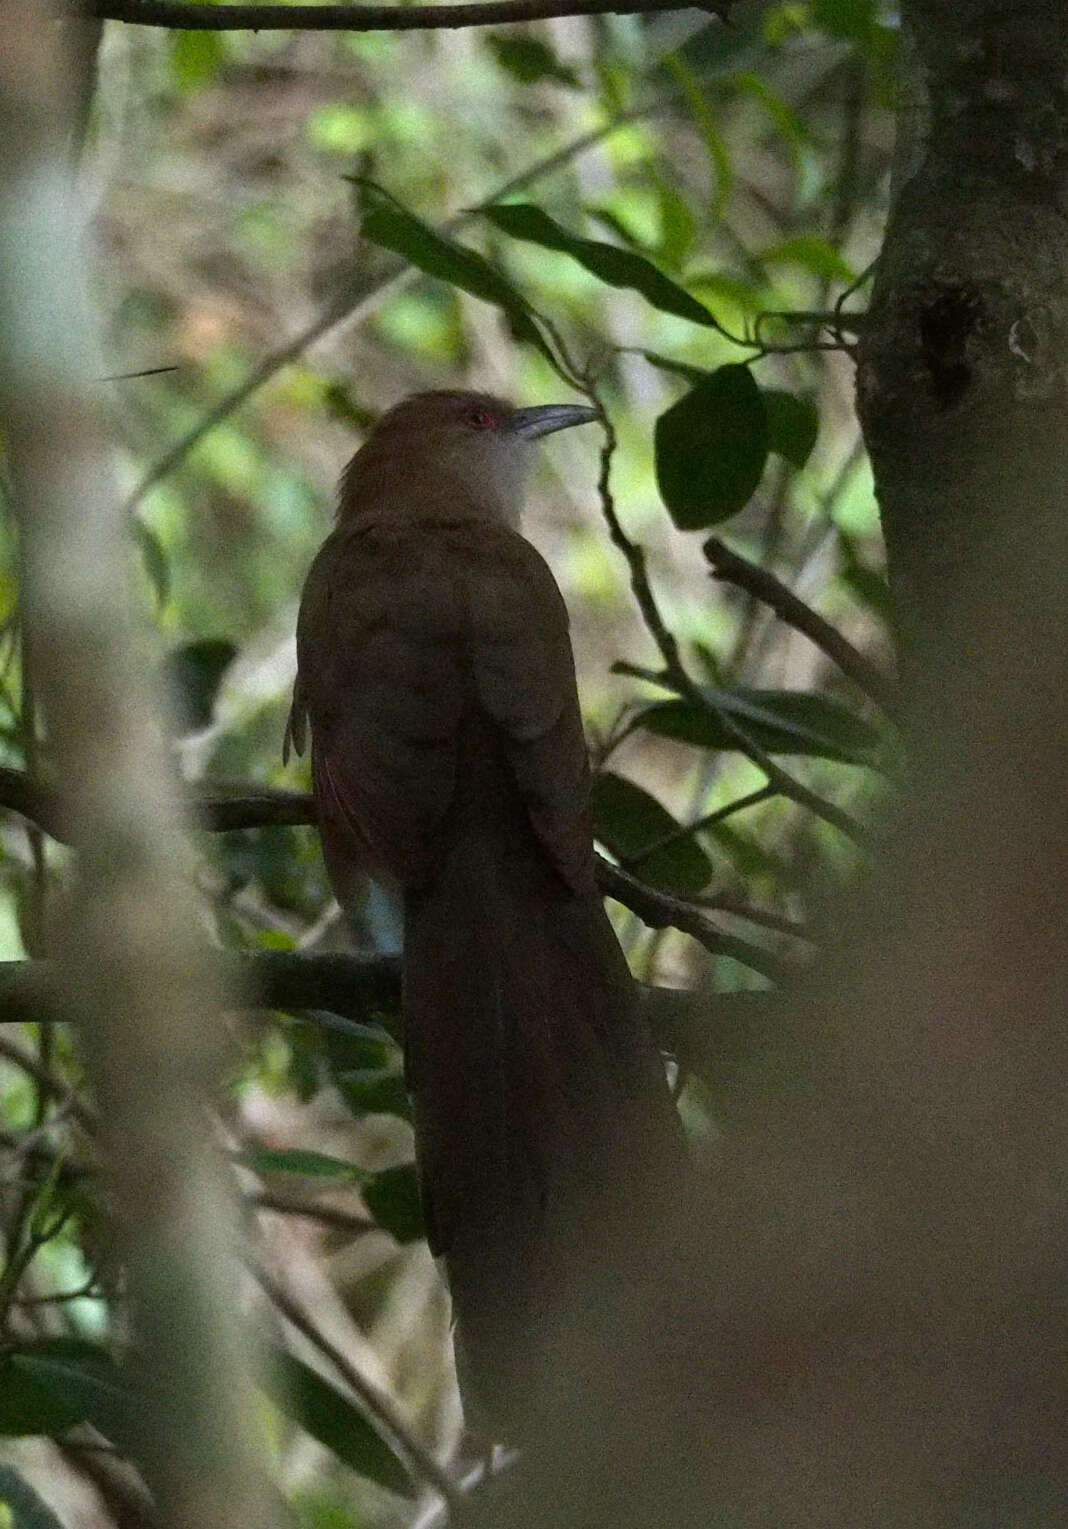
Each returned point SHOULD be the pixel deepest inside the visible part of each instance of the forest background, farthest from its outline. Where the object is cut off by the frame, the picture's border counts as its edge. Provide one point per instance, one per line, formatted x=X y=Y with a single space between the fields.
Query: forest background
x=678 y=214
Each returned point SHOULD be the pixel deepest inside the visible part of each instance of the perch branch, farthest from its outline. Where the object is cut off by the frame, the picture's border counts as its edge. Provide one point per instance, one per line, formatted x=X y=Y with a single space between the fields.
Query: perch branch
x=732 y=568
x=376 y=18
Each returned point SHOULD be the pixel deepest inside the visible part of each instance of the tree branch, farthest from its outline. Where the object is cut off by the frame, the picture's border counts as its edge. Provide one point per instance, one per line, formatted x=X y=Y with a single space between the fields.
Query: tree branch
x=352 y=987
x=676 y=675
x=376 y=1403
x=376 y=18
x=273 y=807
x=732 y=568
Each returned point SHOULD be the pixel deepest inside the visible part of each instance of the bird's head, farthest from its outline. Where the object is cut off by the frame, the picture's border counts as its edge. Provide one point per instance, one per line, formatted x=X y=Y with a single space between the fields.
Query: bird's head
x=450 y=452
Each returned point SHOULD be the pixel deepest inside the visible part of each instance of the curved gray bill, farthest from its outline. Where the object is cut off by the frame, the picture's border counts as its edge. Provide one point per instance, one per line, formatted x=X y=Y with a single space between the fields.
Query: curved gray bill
x=544 y=418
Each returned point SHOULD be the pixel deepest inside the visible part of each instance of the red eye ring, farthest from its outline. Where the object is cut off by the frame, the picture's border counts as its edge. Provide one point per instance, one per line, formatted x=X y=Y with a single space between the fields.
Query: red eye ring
x=480 y=418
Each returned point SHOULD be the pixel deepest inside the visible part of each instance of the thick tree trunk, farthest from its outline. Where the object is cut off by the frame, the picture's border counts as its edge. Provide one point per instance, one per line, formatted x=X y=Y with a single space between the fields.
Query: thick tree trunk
x=964 y=365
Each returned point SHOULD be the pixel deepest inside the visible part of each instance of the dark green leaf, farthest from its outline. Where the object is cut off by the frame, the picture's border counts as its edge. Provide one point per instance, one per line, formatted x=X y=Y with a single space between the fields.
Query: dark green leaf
x=780 y=721
x=793 y=425
x=691 y=374
x=192 y=675
x=392 y=1197
x=615 y=225
x=711 y=447
x=870 y=588
x=619 y=268
x=310 y=1165
x=326 y=1414
x=528 y=60
x=26 y=1509
x=374 y=1091
x=395 y=228
x=49 y=1386
x=845 y=18
x=359 y=1048
x=340 y=405
x=628 y=821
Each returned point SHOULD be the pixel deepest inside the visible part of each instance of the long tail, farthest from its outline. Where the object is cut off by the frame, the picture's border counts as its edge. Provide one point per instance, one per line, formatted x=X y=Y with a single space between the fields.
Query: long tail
x=545 y=1132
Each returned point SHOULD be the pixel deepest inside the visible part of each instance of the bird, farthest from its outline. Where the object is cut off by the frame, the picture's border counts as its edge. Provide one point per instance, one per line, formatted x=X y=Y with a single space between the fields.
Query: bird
x=436 y=686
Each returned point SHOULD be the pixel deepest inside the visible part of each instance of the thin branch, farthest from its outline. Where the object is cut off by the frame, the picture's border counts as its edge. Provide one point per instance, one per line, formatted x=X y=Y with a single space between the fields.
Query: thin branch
x=90 y=1291
x=721 y=902
x=329 y=988
x=376 y=18
x=676 y=676
x=661 y=910
x=377 y=1404
x=46 y=1080
x=329 y=1215
x=732 y=568
x=709 y=820
x=273 y=807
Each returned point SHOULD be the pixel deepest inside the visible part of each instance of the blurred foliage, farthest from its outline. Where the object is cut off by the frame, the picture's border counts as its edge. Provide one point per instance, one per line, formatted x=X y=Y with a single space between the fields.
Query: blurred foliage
x=688 y=212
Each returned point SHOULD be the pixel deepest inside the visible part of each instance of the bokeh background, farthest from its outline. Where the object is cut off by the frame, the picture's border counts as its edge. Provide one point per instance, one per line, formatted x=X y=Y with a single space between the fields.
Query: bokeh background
x=750 y=162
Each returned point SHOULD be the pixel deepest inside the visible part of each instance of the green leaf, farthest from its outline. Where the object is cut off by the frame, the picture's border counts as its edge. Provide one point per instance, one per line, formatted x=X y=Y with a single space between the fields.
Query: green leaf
x=619 y=268
x=392 y=226
x=48 y=1387
x=375 y=1091
x=845 y=18
x=691 y=374
x=157 y=567
x=793 y=425
x=24 y=1509
x=309 y=1165
x=678 y=227
x=869 y=587
x=192 y=675
x=195 y=58
x=711 y=447
x=628 y=821
x=813 y=254
x=392 y=1197
x=529 y=60
x=779 y=721
x=328 y=1415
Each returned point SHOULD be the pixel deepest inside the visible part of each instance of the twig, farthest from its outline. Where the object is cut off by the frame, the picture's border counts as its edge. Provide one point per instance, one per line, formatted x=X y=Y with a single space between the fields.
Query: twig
x=90 y=1291
x=709 y=820
x=46 y=1080
x=660 y=910
x=732 y=568
x=377 y=1403
x=376 y=18
x=329 y=1215
x=676 y=675
x=722 y=903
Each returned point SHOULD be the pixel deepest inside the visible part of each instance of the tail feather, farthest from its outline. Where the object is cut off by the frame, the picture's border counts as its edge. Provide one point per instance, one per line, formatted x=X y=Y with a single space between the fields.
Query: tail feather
x=545 y=1130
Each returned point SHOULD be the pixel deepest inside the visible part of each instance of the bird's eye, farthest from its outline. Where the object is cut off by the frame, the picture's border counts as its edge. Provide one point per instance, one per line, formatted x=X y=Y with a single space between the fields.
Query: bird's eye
x=480 y=418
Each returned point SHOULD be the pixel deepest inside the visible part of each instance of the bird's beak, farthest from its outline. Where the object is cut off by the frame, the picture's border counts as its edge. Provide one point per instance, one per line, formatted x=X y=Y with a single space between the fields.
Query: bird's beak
x=544 y=418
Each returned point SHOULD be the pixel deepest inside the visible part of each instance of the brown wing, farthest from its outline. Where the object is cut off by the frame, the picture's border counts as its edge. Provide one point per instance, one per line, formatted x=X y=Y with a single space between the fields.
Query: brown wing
x=398 y=636
x=380 y=682
x=524 y=676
